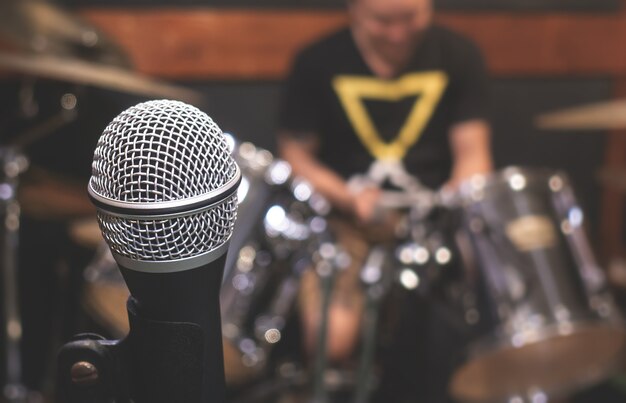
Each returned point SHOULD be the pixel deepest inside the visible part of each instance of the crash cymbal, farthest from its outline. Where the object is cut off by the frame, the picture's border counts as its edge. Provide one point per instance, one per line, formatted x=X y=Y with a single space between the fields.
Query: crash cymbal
x=599 y=116
x=87 y=73
x=38 y=26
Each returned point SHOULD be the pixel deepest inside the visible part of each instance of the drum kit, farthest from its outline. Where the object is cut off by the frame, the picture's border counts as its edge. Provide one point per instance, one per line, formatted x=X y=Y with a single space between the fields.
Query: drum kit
x=549 y=325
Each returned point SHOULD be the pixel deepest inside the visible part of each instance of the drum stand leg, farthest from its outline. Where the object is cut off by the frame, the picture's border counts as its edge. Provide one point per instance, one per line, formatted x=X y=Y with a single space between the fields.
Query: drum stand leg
x=372 y=276
x=363 y=385
x=326 y=273
x=13 y=389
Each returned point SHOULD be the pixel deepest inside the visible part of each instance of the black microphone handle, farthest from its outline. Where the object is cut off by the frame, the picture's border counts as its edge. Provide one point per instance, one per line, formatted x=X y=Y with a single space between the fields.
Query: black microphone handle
x=189 y=296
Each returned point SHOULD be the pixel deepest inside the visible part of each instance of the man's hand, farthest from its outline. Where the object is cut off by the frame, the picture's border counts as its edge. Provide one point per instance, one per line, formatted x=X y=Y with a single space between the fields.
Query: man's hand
x=366 y=204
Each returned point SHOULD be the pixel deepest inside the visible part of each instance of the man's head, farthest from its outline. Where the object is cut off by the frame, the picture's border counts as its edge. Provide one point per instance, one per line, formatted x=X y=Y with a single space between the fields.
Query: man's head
x=390 y=27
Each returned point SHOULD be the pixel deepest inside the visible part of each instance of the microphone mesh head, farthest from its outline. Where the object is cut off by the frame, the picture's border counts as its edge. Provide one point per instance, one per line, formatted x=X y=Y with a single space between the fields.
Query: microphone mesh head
x=163 y=151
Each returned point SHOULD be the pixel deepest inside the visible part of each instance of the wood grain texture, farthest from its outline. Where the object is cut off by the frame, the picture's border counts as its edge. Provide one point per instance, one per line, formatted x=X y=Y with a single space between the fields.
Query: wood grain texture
x=254 y=44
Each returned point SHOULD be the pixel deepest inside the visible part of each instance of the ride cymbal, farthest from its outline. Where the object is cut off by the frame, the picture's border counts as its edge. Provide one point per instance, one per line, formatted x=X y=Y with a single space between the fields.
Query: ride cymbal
x=598 y=116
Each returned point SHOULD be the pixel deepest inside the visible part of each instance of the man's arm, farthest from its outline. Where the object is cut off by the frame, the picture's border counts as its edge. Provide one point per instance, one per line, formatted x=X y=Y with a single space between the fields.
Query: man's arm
x=299 y=152
x=471 y=152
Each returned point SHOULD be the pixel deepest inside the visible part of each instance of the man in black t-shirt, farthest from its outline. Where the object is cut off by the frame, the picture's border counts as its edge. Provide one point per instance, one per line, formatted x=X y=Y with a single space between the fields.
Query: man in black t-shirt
x=389 y=98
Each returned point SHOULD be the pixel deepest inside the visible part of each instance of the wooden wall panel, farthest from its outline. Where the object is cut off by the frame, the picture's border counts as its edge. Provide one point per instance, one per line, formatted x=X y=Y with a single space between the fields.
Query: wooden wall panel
x=472 y=5
x=254 y=44
x=525 y=5
x=547 y=44
x=213 y=44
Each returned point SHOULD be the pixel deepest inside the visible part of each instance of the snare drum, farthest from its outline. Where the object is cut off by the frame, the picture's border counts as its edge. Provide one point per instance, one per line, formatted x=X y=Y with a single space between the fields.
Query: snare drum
x=553 y=325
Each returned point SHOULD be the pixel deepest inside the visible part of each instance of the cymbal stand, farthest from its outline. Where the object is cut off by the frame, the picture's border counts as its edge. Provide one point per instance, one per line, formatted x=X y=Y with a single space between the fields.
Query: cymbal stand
x=13 y=164
x=66 y=114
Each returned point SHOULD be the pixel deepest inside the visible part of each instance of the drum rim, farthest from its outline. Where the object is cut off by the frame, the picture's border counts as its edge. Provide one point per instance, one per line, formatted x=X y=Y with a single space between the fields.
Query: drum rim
x=501 y=339
x=494 y=343
x=489 y=180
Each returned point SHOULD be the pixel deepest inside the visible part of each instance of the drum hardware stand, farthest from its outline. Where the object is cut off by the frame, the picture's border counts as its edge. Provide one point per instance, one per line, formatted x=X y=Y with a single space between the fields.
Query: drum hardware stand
x=590 y=270
x=271 y=323
x=327 y=267
x=67 y=114
x=29 y=109
x=373 y=280
x=13 y=165
x=326 y=275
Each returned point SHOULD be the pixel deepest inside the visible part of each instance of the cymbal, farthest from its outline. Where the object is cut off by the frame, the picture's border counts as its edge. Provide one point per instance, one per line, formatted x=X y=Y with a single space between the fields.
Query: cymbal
x=38 y=26
x=99 y=75
x=598 y=116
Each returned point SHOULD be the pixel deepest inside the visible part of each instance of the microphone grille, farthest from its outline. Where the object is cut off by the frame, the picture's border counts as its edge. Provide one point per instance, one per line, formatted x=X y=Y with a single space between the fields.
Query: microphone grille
x=160 y=151
x=163 y=151
x=162 y=240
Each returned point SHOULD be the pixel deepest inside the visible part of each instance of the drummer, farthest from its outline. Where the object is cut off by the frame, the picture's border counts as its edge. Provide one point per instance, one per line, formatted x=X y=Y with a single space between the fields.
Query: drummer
x=392 y=93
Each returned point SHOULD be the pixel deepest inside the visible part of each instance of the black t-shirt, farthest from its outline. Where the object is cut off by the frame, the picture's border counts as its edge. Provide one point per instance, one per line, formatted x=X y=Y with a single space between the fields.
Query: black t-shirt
x=358 y=117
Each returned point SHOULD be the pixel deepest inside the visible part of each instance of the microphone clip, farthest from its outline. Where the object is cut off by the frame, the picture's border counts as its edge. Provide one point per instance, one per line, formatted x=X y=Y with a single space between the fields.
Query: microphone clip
x=157 y=362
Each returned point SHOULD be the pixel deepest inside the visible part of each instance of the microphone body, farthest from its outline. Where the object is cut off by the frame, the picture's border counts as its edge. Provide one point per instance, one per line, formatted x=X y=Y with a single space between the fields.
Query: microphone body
x=190 y=297
x=164 y=184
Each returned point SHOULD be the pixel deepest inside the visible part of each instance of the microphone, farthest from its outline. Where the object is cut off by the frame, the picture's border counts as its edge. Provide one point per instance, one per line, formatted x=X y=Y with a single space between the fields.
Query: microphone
x=165 y=187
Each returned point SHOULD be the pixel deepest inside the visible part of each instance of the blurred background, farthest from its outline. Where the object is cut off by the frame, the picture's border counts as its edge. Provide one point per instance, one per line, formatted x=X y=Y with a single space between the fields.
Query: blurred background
x=68 y=67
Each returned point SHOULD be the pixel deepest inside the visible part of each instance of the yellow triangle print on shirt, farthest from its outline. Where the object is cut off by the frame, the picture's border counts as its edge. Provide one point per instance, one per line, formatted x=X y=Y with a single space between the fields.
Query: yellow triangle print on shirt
x=353 y=90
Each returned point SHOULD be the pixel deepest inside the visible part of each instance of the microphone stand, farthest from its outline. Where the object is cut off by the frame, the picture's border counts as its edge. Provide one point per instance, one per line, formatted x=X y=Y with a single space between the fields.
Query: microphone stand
x=94 y=370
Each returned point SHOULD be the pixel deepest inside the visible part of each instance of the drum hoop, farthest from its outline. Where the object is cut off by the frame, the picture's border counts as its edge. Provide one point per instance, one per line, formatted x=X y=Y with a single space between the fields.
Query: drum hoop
x=497 y=178
x=548 y=332
x=496 y=340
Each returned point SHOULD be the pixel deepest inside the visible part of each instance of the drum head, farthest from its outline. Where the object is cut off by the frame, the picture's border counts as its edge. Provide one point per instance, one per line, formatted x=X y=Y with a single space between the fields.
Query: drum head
x=556 y=364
